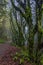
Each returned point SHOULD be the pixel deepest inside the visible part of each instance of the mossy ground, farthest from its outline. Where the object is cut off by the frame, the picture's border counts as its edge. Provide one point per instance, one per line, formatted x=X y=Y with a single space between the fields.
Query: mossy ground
x=2 y=41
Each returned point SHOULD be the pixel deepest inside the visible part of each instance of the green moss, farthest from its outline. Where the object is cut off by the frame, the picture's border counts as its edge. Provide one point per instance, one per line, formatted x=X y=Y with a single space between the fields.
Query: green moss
x=42 y=59
x=2 y=41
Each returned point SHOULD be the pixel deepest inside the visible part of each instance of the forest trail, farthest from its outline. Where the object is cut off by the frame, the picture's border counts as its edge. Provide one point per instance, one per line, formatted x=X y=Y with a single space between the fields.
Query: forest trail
x=3 y=47
x=5 y=55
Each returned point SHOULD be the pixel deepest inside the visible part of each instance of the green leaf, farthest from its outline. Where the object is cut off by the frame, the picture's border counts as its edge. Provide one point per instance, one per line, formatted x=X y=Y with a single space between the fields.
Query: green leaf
x=21 y=60
x=15 y=58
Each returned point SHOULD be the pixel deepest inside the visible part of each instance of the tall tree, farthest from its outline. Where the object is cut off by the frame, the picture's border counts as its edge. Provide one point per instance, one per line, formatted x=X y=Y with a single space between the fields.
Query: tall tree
x=2 y=13
x=39 y=26
x=25 y=10
x=26 y=14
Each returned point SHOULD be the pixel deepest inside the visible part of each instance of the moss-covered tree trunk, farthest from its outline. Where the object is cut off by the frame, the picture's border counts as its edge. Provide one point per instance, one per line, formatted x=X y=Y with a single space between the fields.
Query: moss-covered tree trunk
x=39 y=29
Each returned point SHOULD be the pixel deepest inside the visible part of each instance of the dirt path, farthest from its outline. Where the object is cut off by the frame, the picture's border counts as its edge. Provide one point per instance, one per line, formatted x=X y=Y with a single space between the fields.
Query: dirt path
x=5 y=55
x=3 y=47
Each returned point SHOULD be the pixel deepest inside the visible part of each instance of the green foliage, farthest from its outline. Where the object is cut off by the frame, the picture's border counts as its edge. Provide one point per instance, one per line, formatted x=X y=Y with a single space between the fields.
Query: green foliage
x=15 y=58
x=2 y=41
x=1 y=31
x=3 y=16
x=21 y=61
x=42 y=6
x=41 y=59
x=21 y=56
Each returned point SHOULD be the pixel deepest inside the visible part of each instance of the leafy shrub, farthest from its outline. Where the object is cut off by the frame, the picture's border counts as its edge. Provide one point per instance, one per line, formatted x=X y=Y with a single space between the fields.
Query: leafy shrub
x=21 y=56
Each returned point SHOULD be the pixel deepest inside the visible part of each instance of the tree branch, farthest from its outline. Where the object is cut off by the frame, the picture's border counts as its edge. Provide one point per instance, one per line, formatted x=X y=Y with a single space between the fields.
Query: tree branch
x=35 y=29
x=18 y=9
x=23 y=5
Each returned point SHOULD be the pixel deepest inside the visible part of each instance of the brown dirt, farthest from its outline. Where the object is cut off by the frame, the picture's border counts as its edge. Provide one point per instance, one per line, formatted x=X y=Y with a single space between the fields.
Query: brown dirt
x=5 y=55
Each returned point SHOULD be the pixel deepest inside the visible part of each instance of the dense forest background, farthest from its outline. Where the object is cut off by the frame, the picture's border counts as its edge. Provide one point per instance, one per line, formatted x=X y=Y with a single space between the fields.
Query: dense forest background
x=21 y=21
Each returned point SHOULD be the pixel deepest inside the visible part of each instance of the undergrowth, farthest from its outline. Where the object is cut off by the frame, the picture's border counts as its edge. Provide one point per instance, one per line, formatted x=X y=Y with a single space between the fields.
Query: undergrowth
x=2 y=41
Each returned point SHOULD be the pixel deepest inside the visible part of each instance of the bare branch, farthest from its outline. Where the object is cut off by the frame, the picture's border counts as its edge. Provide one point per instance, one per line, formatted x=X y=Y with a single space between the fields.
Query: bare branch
x=23 y=5
x=18 y=9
